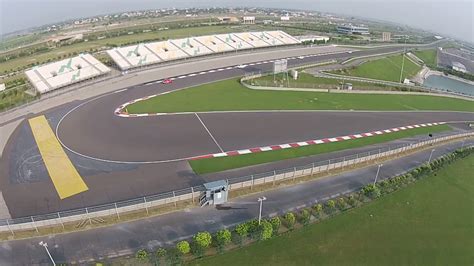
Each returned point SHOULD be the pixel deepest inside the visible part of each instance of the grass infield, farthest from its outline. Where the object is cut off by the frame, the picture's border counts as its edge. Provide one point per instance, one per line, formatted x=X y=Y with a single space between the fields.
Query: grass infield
x=428 y=223
x=428 y=56
x=230 y=95
x=210 y=165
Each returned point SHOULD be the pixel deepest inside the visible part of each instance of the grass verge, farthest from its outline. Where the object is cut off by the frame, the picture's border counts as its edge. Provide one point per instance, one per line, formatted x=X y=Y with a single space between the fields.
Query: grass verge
x=230 y=95
x=204 y=166
x=427 y=223
x=387 y=68
x=428 y=56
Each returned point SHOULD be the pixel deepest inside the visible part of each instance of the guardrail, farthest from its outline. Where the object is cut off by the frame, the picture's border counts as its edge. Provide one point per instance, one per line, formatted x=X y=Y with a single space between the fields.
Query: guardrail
x=192 y=194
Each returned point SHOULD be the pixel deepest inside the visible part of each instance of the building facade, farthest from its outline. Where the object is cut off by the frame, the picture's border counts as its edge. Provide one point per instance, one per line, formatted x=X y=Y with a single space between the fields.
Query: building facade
x=352 y=29
x=386 y=36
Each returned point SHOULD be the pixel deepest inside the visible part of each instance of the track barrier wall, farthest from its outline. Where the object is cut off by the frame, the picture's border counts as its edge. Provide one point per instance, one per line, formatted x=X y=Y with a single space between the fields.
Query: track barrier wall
x=192 y=194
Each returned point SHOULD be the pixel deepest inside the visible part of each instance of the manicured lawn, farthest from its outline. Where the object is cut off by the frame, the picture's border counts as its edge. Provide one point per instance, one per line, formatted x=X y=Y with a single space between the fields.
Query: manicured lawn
x=231 y=95
x=428 y=223
x=210 y=165
x=387 y=68
x=428 y=56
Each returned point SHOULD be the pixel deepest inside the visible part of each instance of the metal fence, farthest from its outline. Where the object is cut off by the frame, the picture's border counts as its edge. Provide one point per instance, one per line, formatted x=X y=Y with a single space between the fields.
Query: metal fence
x=192 y=194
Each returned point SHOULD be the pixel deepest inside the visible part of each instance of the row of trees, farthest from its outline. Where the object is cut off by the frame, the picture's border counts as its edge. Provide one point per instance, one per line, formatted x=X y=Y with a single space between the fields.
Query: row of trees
x=254 y=231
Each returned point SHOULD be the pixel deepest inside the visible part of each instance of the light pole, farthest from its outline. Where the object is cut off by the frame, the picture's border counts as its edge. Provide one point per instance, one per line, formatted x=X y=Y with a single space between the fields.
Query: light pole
x=45 y=245
x=377 y=174
x=403 y=59
x=431 y=154
x=260 y=211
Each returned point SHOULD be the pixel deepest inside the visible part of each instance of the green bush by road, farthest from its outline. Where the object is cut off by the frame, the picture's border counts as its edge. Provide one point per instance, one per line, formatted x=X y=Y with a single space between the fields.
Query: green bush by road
x=387 y=68
x=210 y=165
x=231 y=95
x=428 y=223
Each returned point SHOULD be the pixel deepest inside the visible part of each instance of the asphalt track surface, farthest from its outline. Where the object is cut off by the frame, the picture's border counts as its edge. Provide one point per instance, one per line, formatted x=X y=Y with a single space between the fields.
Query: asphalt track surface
x=96 y=136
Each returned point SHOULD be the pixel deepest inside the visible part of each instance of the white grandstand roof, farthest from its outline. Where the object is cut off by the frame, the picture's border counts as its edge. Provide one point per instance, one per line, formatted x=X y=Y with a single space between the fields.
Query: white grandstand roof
x=151 y=53
x=65 y=72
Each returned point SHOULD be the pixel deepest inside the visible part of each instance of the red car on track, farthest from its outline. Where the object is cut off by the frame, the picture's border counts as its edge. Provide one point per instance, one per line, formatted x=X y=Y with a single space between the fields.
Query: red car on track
x=167 y=81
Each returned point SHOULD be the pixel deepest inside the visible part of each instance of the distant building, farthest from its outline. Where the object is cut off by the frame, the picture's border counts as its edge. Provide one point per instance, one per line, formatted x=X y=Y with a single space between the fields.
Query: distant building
x=249 y=20
x=352 y=29
x=459 y=67
x=2 y=86
x=267 y=21
x=228 y=19
x=285 y=18
x=312 y=38
x=386 y=36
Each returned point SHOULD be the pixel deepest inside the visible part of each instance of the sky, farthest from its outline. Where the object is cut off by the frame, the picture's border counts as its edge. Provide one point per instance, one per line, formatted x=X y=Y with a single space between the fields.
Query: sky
x=448 y=17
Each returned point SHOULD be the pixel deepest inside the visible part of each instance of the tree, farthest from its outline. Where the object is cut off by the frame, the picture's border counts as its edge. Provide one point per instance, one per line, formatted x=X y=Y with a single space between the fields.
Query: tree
x=371 y=191
x=289 y=219
x=276 y=223
x=142 y=255
x=183 y=247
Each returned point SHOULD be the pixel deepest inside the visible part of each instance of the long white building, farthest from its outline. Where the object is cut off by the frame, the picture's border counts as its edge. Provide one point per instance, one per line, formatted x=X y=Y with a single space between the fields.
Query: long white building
x=134 y=56
x=62 y=73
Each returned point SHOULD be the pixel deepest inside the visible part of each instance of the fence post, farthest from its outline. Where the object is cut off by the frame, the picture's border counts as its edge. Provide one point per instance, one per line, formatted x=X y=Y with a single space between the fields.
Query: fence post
x=146 y=205
x=8 y=224
x=87 y=213
x=34 y=224
x=312 y=169
x=251 y=185
x=192 y=192
x=274 y=176
x=61 y=220
x=294 y=173
x=116 y=210
x=174 y=199
x=327 y=167
x=343 y=161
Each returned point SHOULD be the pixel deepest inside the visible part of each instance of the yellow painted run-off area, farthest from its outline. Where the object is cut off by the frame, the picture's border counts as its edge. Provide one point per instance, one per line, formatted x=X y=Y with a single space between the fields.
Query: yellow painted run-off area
x=64 y=175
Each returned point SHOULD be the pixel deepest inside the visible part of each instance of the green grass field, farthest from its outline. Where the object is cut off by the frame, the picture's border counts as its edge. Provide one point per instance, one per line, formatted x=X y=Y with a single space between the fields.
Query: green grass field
x=428 y=56
x=231 y=95
x=387 y=68
x=428 y=223
x=306 y=80
x=211 y=165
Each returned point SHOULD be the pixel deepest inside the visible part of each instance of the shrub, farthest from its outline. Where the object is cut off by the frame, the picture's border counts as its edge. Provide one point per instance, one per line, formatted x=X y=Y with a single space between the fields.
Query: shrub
x=202 y=240
x=241 y=231
x=276 y=223
x=161 y=252
x=289 y=220
x=317 y=210
x=223 y=237
x=304 y=217
x=341 y=203
x=142 y=255
x=351 y=200
x=330 y=206
x=183 y=247
x=371 y=191
x=265 y=230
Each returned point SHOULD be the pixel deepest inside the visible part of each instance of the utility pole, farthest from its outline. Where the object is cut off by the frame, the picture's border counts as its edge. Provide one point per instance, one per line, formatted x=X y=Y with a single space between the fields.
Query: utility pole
x=403 y=59
x=431 y=154
x=260 y=211
x=377 y=174
x=45 y=245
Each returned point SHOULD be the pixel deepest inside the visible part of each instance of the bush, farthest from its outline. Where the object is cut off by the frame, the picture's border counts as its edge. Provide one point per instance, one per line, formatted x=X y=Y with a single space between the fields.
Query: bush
x=304 y=217
x=341 y=203
x=265 y=230
x=183 y=247
x=142 y=255
x=330 y=207
x=161 y=252
x=276 y=223
x=223 y=237
x=352 y=201
x=371 y=191
x=202 y=240
x=289 y=220
x=317 y=210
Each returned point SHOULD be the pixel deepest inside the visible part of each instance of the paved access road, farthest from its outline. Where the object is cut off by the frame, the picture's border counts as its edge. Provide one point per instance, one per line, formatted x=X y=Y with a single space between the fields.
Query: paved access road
x=126 y=238
x=93 y=130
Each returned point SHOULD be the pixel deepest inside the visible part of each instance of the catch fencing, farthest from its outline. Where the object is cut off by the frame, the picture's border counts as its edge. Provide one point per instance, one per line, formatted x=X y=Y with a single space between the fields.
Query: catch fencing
x=191 y=194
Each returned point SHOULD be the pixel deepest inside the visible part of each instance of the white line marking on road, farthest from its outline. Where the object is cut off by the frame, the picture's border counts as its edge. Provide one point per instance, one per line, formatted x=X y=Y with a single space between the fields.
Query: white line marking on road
x=209 y=132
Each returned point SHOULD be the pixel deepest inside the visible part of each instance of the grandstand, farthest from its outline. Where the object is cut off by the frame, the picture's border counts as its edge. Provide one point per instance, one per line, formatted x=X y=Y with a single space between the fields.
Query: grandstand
x=59 y=74
x=156 y=52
